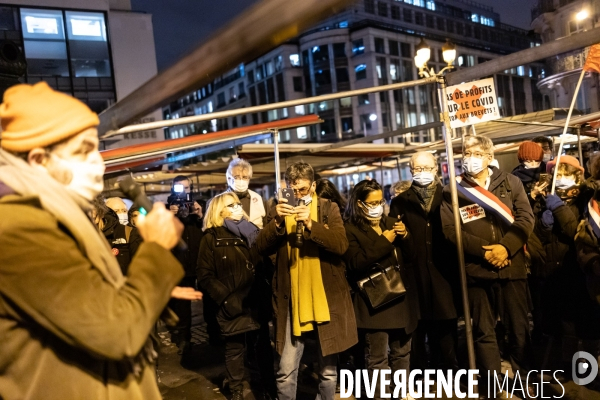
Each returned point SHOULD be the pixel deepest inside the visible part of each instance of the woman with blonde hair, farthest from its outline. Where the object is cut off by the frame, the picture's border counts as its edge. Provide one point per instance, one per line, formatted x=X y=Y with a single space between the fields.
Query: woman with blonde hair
x=227 y=265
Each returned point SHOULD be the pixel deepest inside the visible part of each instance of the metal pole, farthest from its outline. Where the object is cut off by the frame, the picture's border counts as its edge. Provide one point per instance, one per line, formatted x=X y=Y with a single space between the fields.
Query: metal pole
x=277 y=166
x=381 y=171
x=457 y=223
x=399 y=169
x=579 y=145
x=265 y=107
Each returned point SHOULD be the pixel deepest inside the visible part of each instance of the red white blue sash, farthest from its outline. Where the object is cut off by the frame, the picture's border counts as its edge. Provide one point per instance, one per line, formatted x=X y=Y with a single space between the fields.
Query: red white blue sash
x=594 y=217
x=484 y=198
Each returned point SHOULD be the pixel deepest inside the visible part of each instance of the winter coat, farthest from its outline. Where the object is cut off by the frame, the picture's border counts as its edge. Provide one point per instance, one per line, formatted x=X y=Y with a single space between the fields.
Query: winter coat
x=367 y=247
x=491 y=230
x=66 y=332
x=192 y=235
x=123 y=239
x=228 y=276
x=563 y=283
x=529 y=177
x=434 y=266
x=328 y=233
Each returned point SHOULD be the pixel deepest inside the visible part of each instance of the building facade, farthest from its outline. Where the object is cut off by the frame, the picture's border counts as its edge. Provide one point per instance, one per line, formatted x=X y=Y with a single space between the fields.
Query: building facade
x=98 y=51
x=370 y=44
x=555 y=19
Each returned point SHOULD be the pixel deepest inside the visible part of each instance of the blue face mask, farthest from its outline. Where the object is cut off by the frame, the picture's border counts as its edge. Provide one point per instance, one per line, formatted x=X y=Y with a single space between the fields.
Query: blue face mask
x=565 y=183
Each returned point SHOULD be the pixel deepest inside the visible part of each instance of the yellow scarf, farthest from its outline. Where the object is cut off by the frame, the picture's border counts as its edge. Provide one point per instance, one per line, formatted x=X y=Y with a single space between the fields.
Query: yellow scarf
x=309 y=303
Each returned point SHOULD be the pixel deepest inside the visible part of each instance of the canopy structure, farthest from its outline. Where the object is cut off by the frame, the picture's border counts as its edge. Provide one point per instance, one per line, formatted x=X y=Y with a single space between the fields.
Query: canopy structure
x=150 y=154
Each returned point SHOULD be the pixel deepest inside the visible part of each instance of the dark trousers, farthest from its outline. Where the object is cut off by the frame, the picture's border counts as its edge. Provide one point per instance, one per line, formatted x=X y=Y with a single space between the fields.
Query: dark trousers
x=378 y=342
x=183 y=309
x=441 y=337
x=235 y=350
x=509 y=300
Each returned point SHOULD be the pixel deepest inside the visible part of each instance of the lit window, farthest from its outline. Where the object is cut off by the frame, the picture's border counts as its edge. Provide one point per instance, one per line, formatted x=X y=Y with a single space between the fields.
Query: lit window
x=210 y=107
x=301 y=133
x=475 y=17
x=343 y=24
x=431 y=5
x=393 y=72
x=521 y=71
x=46 y=26
x=299 y=110
x=358 y=47
x=295 y=60
x=361 y=71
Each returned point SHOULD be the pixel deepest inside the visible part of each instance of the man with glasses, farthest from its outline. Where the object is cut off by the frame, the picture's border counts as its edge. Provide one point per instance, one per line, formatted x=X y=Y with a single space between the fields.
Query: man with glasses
x=311 y=295
x=496 y=222
x=238 y=175
x=419 y=209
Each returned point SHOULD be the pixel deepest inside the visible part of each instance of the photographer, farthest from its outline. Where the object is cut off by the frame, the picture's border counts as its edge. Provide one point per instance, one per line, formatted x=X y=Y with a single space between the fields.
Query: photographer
x=72 y=326
x=189 y=213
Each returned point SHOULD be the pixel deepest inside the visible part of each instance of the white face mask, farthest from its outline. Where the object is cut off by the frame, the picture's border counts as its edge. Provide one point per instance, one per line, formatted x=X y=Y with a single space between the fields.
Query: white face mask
x=87 y=175
x=237 y=213
x=565 y=183
x=239 y=185
x=547 y=157
x=123 y=219
x=373 y=212
x=472 y=165
x=423 y=178
x=531 y=164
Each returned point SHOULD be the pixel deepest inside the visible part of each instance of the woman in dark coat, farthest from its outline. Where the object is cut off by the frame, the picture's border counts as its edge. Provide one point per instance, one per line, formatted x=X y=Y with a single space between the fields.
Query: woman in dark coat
x=376 y=239
x=564 y=309
x=227 y=263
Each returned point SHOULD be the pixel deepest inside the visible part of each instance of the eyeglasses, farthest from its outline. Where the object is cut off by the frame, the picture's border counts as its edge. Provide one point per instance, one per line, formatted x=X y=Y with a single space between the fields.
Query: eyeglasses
x=476 y=154
x=234 y=205
x=373 y=204
x=423 y=169
x=302 y=191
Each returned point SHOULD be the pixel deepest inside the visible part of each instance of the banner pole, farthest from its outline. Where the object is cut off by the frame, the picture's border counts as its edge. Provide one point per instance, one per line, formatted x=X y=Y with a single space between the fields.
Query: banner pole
x=562 y=137
x=447 y=131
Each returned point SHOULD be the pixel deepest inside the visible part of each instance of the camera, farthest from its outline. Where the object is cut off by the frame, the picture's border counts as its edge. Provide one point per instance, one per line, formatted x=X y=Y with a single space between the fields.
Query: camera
x=184 y=201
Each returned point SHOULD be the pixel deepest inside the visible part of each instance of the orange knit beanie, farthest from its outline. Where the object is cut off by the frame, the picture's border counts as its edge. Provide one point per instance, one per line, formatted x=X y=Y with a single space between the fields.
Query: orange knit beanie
x=37 y=116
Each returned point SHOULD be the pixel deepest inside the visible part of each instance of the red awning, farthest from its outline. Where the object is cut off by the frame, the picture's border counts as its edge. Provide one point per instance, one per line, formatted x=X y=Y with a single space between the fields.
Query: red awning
x=138 y=152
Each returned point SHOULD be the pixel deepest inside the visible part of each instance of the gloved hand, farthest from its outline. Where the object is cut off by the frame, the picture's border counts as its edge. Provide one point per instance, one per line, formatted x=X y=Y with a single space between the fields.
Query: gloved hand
x=547 y=220
x=553 y=202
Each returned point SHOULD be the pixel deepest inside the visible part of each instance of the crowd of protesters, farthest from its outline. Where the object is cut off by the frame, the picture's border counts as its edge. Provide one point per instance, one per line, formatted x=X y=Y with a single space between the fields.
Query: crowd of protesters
x=83 y=280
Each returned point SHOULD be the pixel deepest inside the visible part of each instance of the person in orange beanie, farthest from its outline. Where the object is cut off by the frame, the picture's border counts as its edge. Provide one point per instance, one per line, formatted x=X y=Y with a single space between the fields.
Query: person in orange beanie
x=530 y=169
x=72 y=326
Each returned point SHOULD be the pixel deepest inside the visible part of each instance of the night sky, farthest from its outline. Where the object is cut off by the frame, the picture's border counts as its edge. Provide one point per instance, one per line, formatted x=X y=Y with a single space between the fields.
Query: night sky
x=180 y=25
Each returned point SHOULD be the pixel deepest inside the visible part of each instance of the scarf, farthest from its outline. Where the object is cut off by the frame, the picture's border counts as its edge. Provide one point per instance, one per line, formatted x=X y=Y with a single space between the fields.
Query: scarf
x=67 y=207
x=309 y=303
x=243 y=229
x=70 y=211
x=425 y=194
x=528 y=175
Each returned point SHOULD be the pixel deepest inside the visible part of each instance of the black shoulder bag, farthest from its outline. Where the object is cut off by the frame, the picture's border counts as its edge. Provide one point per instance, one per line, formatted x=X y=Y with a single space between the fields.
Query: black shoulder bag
x=382 y=285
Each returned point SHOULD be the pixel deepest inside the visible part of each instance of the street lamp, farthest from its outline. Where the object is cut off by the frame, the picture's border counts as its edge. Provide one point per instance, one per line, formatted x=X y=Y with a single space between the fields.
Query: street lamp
x=423 y=54
x=581 y=15
x=373 y=117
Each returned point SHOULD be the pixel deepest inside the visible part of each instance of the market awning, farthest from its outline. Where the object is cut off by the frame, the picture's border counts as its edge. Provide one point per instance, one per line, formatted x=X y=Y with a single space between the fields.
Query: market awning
x=124 y=157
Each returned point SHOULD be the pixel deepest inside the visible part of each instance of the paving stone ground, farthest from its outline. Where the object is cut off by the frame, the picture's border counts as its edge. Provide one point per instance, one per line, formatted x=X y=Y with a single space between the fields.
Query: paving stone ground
x=200 y=375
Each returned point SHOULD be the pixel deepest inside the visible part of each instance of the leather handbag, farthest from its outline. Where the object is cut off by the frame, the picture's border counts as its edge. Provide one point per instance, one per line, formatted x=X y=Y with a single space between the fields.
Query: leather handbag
x=382 y=285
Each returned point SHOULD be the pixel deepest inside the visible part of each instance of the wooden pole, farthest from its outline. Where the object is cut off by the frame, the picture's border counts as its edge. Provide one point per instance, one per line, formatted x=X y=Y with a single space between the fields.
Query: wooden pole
x=256 y=31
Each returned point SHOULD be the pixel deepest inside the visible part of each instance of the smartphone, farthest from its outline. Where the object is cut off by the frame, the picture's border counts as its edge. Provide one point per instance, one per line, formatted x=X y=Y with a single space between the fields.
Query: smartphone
x=544 y=179
x=288 y=194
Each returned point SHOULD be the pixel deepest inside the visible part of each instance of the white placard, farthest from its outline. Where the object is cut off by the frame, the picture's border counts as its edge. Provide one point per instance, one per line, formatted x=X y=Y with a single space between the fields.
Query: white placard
x=472 y=103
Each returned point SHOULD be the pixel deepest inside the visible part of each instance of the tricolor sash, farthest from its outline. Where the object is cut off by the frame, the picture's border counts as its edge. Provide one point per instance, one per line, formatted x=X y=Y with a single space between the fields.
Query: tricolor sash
x=594 y=217
x=484 y=198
